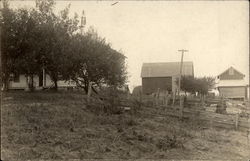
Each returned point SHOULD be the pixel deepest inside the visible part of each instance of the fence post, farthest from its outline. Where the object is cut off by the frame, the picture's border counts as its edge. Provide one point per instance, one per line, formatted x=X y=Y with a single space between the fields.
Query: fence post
x=167 y=100
x=140 y=98
x=173 y=98
x=157 y=97
x=181 y=101
x=248 y=132
x=89 y=93
x=181 y=106
x=236 y=121
x=222 y=104
x=203 y=101
x=211 y=122
x=128 y=95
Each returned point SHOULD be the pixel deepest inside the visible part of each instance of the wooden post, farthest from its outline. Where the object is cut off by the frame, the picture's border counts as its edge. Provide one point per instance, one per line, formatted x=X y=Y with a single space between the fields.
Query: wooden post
x=248 y=137
x=223 y=106
x=163 y=100
x=180 y=97
x=203 y=102
x=222 y=103
x=248 y=132
x=89 y=93
x=211 y=122
x=140 y=97
x=236 y=121
x=167 y=100
x=44 y=78
x=173 y=98
x=155 y=99
x=128 y=95
x=157 y=96
x=181 y=107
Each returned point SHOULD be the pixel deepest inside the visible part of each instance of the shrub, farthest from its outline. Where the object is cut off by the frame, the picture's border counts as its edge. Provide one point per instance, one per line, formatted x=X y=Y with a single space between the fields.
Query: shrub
x=168 y=142
x=174 y=138
x=131 y=121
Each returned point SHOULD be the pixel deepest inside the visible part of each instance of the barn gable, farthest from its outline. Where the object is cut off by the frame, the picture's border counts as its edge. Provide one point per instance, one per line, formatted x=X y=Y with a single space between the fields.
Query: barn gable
x=230 y=74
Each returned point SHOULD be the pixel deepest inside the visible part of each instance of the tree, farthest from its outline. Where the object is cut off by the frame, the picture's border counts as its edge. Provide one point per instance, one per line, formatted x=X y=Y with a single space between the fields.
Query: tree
x=188 y=84
x=8 y=18
x=57 y=31
x=201 y=85
x=37 y=39
x=19 y=42
x=94 y=60
x=204 y=84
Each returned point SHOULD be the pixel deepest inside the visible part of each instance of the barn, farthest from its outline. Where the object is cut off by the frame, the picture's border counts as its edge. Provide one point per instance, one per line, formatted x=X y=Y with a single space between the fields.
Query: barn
x=231 y=84
x=163 y=75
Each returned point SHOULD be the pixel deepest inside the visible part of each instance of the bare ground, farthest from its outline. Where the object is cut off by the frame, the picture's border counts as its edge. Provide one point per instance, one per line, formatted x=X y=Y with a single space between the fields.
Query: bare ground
x=58 y=126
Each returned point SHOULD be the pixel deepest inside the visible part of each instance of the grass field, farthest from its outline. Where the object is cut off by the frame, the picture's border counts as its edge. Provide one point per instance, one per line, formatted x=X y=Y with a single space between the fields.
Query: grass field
x=59 y=126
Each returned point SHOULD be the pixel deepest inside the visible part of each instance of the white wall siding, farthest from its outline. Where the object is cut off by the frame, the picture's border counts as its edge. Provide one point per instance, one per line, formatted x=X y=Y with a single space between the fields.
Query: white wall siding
x=222 y=83
x=18 y=85
x=66 y=83
x=232 y=92
x=232 y=88
x=22 y=84
x=49 y=82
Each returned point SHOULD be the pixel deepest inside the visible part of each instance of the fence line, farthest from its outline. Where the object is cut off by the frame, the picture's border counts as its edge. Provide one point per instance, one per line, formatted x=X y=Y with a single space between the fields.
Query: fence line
x=214 y=119
x=181 y=110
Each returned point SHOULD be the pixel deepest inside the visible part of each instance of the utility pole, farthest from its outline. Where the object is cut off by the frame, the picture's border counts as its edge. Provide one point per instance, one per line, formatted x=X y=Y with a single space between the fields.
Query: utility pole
x=1 y=70
x=182 y=53
x=1 y=54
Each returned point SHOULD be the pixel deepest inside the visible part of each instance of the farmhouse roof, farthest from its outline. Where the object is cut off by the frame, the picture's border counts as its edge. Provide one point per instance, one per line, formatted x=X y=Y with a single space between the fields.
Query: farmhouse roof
x=166 y=69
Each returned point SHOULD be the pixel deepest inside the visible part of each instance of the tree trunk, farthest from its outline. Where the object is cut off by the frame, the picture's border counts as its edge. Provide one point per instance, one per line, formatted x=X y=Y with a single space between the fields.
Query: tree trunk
x=54 y=78
x=5 y=84
x=86 y=87
x=56 y=85
x=32 y=83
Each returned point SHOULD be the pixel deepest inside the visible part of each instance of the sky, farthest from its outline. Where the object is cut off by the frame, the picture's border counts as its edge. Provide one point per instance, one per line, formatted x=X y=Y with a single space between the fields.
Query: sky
x=215 y=33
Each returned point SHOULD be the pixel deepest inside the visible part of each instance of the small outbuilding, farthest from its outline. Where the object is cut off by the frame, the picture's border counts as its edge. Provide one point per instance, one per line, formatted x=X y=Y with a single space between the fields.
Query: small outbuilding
x=163 y=75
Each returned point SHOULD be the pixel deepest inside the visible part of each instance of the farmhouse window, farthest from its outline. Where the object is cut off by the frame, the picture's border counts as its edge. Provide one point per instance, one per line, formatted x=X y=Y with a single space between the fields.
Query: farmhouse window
x=231 y=71
x=16 y=78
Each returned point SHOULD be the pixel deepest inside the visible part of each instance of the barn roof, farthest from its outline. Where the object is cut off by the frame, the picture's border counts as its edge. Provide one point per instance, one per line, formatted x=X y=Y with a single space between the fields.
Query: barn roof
x=166 y=69
x=233 y=69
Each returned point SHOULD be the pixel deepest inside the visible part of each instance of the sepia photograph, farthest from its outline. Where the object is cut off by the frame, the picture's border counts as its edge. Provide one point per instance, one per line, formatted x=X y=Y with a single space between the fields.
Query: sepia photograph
x=124 y=80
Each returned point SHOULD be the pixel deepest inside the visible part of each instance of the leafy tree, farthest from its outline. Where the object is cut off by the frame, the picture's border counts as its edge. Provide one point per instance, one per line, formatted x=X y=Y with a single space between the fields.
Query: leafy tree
x=19 y=42
x=37 y=39
x=201 y=85
x=8 y=39
x=188 y=84
x=34 y=39
x=204 y=84
x=57 y=31
x=95 y=61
